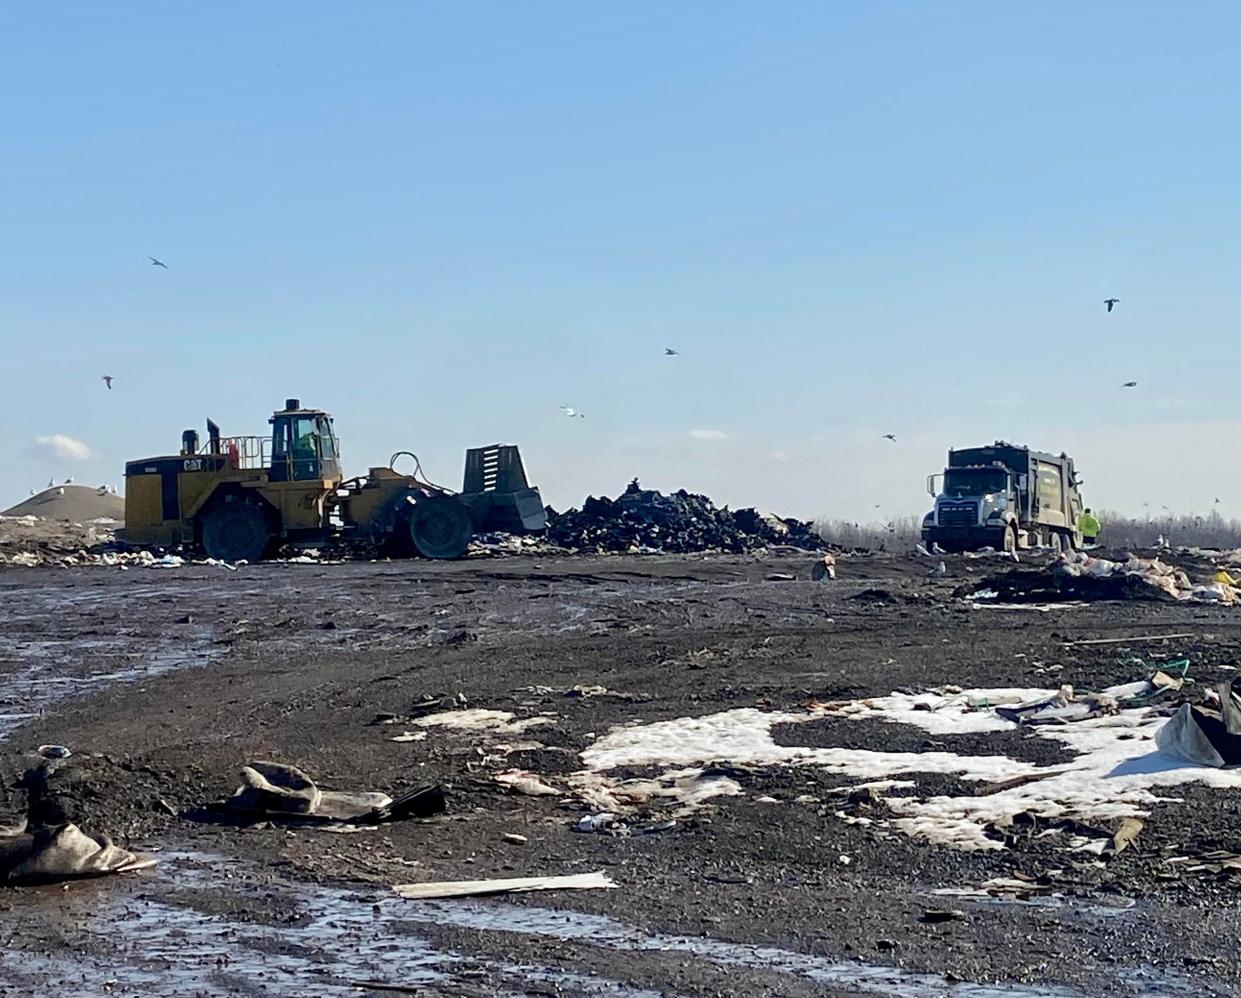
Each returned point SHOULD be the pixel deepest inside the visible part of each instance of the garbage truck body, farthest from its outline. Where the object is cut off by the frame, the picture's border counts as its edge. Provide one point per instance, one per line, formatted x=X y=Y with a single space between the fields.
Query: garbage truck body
x=240 y=498
x=1006 y=497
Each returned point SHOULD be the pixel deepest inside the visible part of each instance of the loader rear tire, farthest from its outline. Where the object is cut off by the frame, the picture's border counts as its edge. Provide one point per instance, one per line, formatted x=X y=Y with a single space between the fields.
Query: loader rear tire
x=441 y=527
x=236 y=531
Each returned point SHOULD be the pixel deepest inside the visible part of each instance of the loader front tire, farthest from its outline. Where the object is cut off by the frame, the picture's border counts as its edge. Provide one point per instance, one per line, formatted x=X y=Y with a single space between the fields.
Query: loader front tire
x=236 y=531
x=440 y=527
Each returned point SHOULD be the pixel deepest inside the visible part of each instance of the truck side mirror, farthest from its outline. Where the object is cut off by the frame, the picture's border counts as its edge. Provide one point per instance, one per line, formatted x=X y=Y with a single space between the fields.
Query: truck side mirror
x=930 y=485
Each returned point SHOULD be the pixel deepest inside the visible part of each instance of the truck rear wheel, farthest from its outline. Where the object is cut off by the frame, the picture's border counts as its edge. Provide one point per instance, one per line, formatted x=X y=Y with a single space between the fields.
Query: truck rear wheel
x=440 y=527
x=236 y=531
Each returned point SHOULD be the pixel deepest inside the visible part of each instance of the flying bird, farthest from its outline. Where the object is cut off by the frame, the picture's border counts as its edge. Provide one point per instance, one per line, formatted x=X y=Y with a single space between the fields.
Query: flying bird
x=1217 y=500
x=1111 y=303
x=669 y=352
x=572 y=413
x=1130 y=384
x=107 y=380
x=890 y=436
x=160 y=263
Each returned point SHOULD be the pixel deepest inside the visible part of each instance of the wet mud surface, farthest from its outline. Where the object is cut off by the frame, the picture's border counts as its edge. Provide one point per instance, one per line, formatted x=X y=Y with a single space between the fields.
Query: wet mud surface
x=165 y=682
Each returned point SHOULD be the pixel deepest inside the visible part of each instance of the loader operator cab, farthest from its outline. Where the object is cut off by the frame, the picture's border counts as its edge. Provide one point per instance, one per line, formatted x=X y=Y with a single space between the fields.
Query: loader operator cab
x=303 y=445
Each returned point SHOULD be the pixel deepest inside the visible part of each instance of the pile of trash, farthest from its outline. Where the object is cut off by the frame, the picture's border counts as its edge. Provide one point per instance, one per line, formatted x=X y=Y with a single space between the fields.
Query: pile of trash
x=1078 y=576
x=642 y=521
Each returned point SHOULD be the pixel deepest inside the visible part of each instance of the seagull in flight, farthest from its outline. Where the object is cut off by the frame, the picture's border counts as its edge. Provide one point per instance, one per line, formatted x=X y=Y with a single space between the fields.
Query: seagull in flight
x=107 y=380
x=1111 y=303
x=669 y=352
x=1130 y=384
x=572 y=413
x=160 y=263
x=890 y=436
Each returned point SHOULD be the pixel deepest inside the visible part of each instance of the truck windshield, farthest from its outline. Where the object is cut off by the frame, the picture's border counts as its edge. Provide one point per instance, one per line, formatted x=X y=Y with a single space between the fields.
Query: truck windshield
x=974 y=481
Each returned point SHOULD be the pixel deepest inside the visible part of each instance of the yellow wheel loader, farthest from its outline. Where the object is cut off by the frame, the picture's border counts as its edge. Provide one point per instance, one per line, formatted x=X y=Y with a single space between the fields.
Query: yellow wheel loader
x=239 y=498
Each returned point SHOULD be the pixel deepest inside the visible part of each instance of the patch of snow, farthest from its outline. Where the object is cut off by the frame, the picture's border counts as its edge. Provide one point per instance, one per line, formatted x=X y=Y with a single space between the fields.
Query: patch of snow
x=1117 y=767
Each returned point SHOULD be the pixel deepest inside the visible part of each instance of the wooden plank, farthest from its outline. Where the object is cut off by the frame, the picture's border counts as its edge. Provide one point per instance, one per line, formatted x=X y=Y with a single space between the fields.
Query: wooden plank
x=477 y=888
x=1135 y=638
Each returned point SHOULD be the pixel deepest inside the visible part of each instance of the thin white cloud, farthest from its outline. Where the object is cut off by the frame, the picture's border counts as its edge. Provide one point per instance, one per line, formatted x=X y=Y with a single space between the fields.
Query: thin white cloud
x=709 y=435
x=779 y=455
x=61 y=446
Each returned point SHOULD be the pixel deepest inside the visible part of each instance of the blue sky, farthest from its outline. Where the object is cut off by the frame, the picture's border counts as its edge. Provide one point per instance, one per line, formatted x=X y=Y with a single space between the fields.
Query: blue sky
x=441 y=222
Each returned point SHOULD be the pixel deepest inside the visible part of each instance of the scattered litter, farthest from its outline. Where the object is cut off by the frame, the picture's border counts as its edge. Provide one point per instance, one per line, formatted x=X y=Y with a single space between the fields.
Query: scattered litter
x=522 y=782
x=514 y=838
x=1215 y=861
x=409 y=736
x=478 y=719
x=1124 y=836
x=275 y=790
x=824 y=569
x=780 y=577
x=518 y=885
x=934 y=916
x=681 y=790
x=62 y=852
x=54 y=752
x=596 y=822
x=1206 y=735
x=1061 y=707
x=582 y=692
x=844 y=860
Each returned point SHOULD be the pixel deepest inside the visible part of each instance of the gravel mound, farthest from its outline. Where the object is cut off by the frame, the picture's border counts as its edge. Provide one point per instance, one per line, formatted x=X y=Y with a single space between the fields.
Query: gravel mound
x=79 y=503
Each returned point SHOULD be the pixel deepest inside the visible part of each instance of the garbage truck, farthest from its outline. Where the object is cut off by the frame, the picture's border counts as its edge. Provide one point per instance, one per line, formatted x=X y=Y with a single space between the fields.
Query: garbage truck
x=1004 y=496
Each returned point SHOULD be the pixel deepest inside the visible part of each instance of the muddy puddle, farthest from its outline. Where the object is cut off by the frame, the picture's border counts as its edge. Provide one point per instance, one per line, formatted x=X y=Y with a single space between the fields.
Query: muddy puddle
x=177 y=930
x=157 y=935
x=45 y=676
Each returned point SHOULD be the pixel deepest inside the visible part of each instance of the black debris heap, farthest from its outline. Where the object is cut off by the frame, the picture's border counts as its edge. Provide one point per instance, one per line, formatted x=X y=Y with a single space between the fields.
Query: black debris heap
x=645 y=520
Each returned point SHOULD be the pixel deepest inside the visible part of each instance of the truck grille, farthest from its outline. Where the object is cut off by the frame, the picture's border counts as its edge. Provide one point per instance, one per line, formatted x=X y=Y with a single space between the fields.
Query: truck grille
x=959 y=514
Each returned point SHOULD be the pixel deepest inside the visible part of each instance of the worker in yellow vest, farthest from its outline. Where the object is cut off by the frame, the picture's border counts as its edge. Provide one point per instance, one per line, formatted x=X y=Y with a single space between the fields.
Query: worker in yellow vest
x=1088 y=524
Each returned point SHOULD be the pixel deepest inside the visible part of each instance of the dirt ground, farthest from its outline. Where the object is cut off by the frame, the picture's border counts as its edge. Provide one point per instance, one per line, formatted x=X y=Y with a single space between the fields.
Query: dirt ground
x=164 y=683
